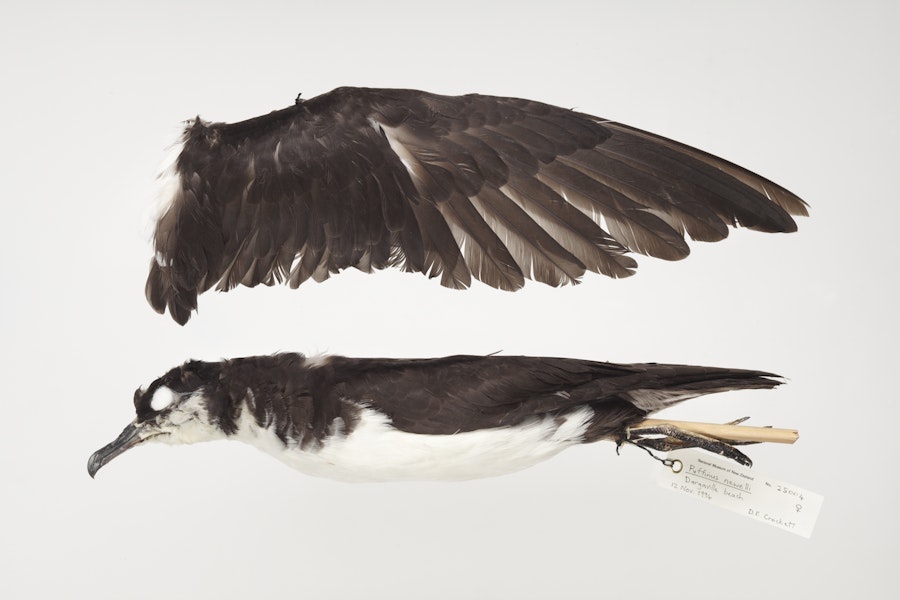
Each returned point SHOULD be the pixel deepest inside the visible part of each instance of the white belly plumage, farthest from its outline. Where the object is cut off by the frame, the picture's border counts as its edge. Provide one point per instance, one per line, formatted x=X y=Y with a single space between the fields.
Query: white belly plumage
x=375 y=451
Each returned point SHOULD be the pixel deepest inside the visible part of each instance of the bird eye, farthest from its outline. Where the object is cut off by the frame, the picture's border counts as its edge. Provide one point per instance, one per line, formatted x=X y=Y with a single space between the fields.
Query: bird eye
x=163 y=397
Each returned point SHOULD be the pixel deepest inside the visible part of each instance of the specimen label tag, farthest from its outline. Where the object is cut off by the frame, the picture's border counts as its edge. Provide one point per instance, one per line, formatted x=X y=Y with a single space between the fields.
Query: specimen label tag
x=744 y=491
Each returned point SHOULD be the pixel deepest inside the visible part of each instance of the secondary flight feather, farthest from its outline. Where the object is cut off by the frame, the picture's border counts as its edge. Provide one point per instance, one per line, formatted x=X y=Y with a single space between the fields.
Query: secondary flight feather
x=457 y=187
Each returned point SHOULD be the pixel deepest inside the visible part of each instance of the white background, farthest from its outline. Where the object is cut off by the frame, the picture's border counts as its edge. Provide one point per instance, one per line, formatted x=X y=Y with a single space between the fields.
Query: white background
x=93 y=93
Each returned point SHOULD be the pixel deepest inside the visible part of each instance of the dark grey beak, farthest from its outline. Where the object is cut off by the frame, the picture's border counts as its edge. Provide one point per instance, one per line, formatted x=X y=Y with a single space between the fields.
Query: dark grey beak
x=129 y=438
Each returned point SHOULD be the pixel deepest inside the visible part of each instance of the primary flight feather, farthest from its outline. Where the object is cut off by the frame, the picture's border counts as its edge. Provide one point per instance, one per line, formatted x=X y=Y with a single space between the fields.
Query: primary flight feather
x=499 y=189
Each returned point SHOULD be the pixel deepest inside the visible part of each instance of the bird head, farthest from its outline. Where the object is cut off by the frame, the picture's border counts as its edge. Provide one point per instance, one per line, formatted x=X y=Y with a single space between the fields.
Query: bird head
x=174 y=409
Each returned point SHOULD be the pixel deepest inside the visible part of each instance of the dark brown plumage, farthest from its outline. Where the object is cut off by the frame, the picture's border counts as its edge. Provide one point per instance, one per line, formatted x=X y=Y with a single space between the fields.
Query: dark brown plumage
x=300 y=398
x=499 y=189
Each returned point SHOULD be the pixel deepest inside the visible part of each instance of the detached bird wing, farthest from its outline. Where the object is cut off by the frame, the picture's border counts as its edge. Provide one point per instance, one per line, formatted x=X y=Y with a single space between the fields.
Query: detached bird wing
x=501 y=189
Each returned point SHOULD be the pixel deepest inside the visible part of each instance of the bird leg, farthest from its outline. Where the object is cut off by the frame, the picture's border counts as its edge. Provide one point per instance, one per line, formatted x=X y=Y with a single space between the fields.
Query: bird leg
x=665 y=437
x=733 y=432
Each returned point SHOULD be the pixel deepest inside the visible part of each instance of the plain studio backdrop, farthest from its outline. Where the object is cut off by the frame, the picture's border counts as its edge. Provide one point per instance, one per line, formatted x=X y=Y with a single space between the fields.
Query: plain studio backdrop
x=805 y=93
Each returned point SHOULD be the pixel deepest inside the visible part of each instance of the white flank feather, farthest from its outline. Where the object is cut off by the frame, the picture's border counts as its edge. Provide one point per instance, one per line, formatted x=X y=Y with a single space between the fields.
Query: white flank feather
x=376 y=451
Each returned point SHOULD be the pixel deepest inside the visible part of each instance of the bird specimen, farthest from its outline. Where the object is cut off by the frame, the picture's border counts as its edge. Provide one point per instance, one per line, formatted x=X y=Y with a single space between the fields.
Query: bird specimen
x=457 y=187
x=453 y=418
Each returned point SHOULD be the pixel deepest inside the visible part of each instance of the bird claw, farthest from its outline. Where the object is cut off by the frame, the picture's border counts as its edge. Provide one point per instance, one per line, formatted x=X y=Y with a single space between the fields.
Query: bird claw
x=667 y=437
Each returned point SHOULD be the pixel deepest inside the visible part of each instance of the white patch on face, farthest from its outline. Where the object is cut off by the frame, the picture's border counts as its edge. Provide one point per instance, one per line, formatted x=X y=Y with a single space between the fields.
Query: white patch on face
x=188 y=423
x=163 y=397
x=376 y=451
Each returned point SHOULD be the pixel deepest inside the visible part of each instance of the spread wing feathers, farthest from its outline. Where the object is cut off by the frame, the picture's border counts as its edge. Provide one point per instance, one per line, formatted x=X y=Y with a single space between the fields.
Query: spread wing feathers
x=464 y=393
x=500 y=189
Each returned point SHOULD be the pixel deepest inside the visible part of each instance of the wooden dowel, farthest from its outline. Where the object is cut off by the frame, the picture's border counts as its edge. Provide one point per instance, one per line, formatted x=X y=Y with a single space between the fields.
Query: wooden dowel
x=738 y=433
